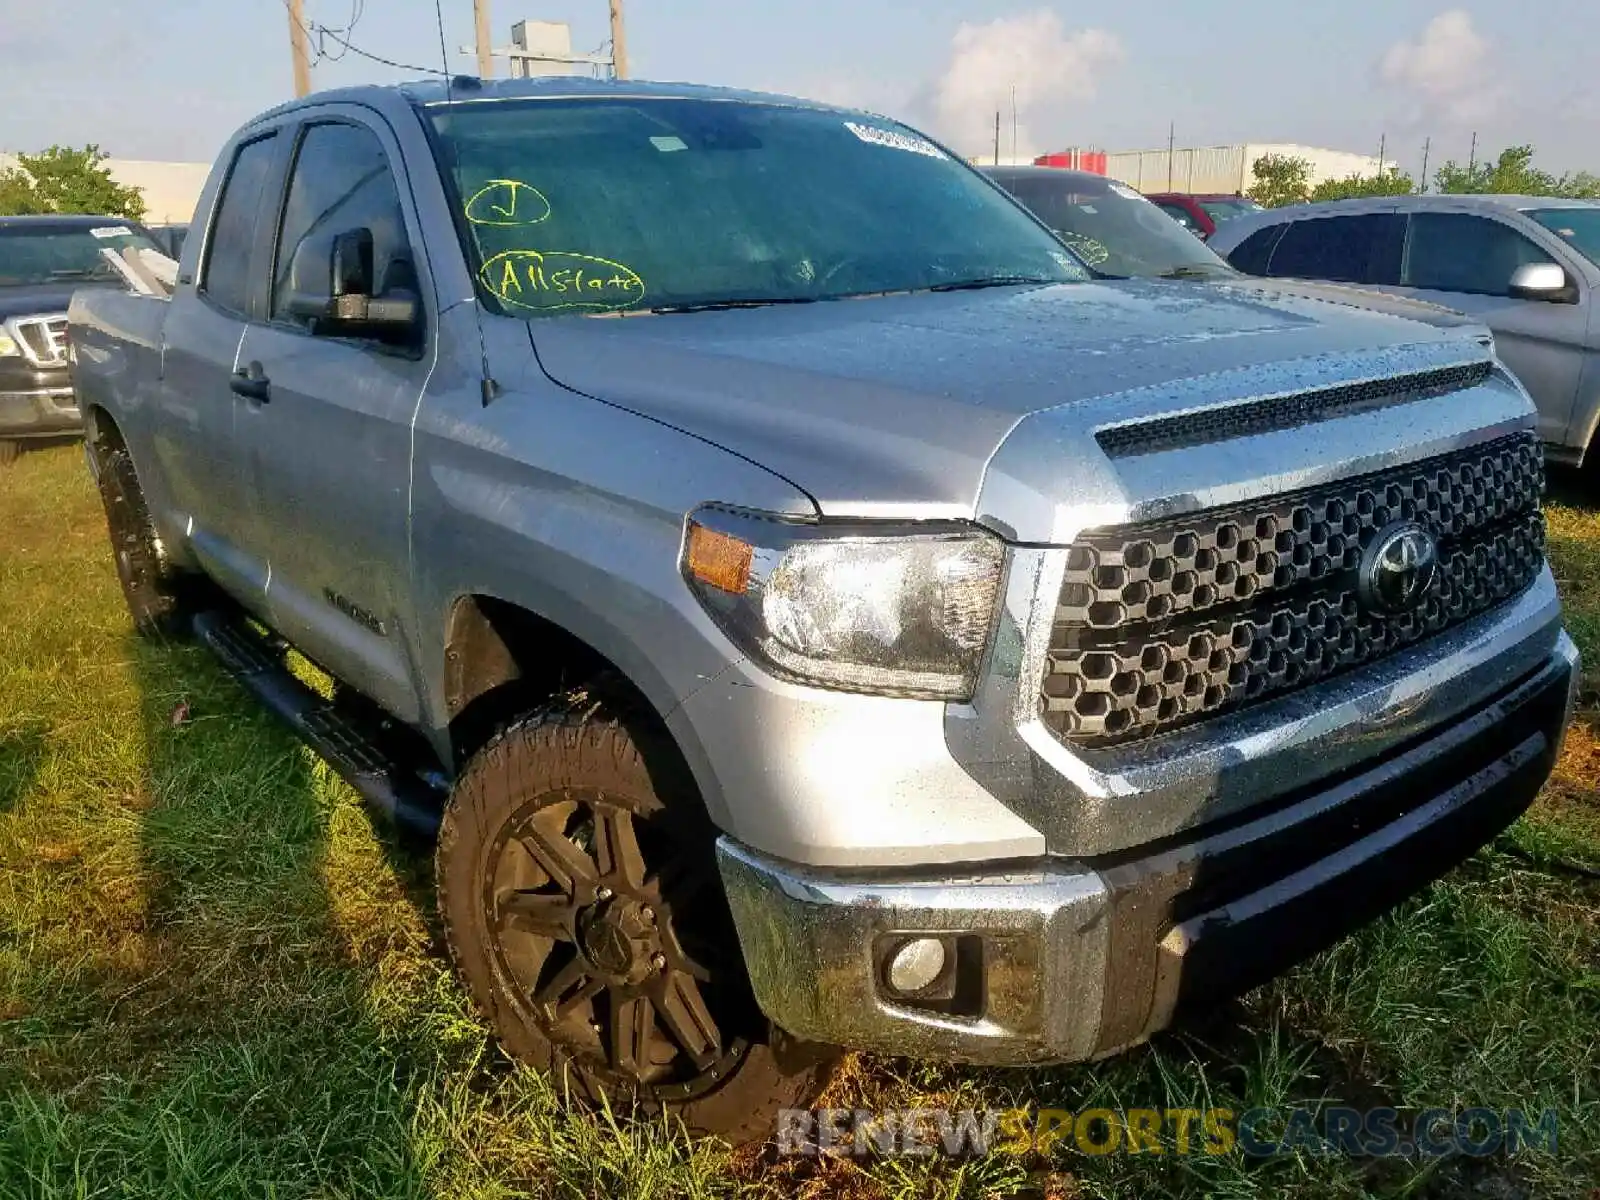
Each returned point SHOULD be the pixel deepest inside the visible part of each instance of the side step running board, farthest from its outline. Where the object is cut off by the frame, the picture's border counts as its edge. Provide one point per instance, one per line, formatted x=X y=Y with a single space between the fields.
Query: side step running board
x=409 y=794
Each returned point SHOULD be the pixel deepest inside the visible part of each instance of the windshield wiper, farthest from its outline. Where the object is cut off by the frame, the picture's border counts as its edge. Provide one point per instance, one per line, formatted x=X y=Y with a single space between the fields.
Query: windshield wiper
x=1195 y=273
x=71 y=273
x=719 y=305
x=972 y=285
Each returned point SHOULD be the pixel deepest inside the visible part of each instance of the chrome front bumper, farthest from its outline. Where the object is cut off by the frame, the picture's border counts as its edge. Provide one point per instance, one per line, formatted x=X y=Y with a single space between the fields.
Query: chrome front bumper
x=1075 y=959
x=49 y=412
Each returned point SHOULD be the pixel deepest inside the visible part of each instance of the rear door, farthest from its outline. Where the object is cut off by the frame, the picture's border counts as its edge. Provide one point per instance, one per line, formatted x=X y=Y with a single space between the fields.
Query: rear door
x=1355 y=248
x=328 y=446
x=1465 y=261
x=206 y=488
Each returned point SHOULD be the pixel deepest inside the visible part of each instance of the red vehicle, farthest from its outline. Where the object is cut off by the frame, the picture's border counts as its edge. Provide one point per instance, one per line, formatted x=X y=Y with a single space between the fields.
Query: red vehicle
x=1201 y=214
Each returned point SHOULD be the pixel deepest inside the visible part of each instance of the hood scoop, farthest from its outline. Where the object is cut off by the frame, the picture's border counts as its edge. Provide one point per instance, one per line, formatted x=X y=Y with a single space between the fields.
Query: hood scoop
x=1289 y=411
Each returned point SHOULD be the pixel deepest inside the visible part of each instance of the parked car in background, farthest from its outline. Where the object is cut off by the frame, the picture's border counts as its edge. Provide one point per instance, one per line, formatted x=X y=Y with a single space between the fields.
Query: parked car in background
x=170 y=239
x=1202 y=215
x=1526 y=266
x=43 y=260
x=809 y=608
x=1118 y=232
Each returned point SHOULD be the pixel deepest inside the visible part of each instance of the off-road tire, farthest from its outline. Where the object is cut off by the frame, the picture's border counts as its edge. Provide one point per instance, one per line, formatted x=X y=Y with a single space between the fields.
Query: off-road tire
x=10 y=451
x=585 y=755
x=159 y=597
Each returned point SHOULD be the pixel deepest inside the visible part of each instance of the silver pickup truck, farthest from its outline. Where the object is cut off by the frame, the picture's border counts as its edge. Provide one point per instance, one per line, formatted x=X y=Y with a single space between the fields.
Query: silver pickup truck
x=810 y=607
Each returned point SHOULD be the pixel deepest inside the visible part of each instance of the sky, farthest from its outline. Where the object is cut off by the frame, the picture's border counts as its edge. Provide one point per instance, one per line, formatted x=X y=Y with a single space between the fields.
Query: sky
x=172 y=80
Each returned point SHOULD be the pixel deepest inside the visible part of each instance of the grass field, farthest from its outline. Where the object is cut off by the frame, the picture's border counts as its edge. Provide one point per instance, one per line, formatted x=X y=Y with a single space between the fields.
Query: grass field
x=219 y=979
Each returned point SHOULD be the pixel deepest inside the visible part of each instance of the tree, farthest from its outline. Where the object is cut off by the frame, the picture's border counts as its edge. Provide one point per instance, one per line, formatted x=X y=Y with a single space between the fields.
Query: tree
x=1280 y=180
x=1385 y=183
x=1513 y=174
x=63 y=180
x=1582 y=185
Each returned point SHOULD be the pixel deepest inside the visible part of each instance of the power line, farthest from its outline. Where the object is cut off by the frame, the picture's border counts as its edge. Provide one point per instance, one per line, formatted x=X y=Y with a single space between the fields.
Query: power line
x=358 y=9
x=378 y=58
x=295 y=18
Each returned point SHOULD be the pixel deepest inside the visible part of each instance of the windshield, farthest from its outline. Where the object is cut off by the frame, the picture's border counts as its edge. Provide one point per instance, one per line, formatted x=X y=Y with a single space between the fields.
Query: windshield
x=610 y=205
x=1113 y=228
x=1225 y=210
x=1578 y=227
x=64 y=253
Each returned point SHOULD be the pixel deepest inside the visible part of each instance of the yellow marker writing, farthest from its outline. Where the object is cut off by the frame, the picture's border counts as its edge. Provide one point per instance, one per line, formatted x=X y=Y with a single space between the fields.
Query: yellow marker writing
x=507 y=202
x=550 y=280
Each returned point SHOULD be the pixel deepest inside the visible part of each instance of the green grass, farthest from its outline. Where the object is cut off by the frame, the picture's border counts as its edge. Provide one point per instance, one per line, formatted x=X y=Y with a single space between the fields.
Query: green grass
x=218 y=978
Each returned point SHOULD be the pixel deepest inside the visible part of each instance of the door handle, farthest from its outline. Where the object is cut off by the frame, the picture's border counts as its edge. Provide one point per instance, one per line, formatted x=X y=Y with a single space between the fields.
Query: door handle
x=252 y=383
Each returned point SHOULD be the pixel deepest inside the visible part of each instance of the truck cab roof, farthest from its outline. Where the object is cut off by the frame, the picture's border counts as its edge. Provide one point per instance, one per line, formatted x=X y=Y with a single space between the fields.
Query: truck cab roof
x=465 y=89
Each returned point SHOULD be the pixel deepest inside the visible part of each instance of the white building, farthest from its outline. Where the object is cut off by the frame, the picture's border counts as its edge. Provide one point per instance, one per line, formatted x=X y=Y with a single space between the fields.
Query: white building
x=170 y=189
x=1227 y=169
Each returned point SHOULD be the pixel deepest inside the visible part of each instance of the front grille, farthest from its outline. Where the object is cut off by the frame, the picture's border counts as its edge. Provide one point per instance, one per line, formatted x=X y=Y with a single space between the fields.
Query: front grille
x=43 y=339
x=1163 y=624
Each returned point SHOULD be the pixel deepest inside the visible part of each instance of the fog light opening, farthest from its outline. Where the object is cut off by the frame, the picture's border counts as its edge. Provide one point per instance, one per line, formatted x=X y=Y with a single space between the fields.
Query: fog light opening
x=916 y=965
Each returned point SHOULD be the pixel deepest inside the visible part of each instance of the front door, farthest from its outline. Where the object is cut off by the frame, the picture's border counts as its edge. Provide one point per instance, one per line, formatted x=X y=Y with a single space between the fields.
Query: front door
x=329 y=437
x=1465 y=261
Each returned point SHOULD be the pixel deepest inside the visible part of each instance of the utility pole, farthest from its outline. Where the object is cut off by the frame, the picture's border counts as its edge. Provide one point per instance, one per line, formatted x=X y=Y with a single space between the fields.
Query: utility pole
x=1172 y=138
x=1013 y=122
x=1383 y=144
x=299 y=47
x=619 y=42
x=1427 y=145
x=1472 y=159
x=997 y=137
x=480 y=20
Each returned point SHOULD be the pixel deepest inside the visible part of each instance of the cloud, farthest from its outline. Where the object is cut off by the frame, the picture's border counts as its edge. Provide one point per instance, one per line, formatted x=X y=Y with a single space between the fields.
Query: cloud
x=846 y=91
x=1031 y=52
x=1445 y=71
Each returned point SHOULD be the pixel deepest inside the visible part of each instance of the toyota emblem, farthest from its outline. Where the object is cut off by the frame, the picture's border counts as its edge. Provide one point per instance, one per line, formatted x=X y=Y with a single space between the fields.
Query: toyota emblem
x=1397 y=569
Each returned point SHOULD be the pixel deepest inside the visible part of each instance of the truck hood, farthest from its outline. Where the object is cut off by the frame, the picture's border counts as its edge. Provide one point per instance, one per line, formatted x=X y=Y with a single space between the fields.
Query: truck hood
x=894 y=405
x=35 y=299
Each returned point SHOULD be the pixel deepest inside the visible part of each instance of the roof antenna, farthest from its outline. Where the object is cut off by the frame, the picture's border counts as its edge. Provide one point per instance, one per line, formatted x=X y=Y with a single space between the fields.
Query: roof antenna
x=444 y=54
x=490 y=390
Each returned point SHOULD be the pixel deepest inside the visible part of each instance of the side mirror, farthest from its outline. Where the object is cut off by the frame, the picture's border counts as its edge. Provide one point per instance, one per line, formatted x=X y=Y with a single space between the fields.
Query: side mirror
x=330 y=287
x=1542 y=281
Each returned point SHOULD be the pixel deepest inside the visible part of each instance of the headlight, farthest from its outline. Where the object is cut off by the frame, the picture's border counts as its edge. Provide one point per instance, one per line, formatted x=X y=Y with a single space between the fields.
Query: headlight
x=856 y=606
x=8 y=346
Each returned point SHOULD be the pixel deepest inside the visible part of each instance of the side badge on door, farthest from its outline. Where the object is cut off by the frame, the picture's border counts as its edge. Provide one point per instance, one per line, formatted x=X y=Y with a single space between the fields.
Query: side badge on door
x=355 y=612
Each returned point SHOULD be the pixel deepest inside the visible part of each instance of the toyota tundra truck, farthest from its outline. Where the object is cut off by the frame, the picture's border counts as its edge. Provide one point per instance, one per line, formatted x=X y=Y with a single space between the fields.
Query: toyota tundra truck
x=809 y=607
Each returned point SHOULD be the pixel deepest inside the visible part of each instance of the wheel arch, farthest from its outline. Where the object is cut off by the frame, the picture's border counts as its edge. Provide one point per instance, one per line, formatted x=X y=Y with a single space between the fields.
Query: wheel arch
x=101 y=431
x=502 y=659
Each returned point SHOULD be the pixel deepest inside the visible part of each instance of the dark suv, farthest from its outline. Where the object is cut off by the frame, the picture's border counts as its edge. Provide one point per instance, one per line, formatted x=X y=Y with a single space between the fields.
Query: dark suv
x=43 y=260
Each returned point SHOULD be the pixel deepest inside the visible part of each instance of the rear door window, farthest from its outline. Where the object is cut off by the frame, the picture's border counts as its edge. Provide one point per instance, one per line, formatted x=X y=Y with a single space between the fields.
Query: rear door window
x=226 y=278
x=1355 y=249
x=1459 y=252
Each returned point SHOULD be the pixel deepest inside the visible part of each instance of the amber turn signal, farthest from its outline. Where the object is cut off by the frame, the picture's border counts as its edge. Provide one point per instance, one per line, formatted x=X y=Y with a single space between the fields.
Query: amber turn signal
x=721 y=561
